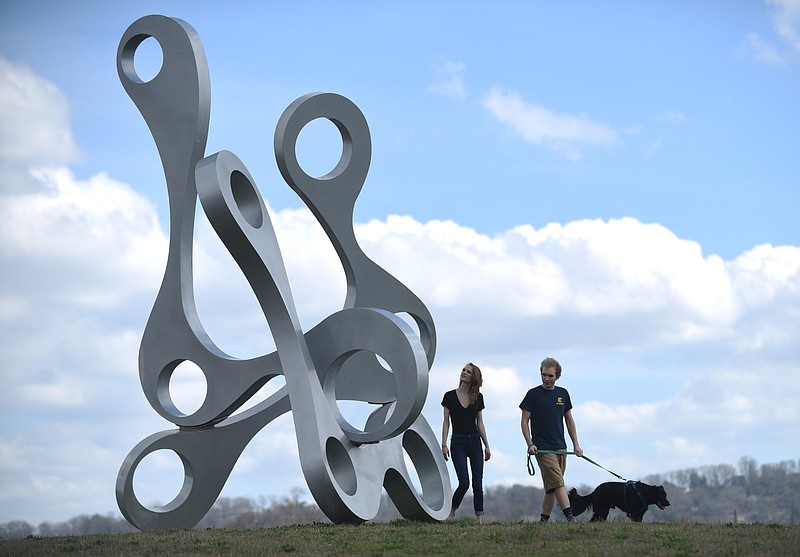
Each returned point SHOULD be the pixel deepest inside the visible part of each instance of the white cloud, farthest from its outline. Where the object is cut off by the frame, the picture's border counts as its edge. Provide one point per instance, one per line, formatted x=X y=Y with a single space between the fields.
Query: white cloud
x=634 y=277
x=673 y=116
x=786 y=18
x=540 y=125
x=11 y=454
x=62 y=392
x=73 y=225
x=763 y=50
x=639 y=285
x=503 y=384
x=35 y=117
x=450 y=81
x=710 y=413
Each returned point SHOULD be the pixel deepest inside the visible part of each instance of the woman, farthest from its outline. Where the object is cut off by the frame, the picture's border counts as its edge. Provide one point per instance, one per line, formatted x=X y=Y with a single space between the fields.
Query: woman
x=464 y=408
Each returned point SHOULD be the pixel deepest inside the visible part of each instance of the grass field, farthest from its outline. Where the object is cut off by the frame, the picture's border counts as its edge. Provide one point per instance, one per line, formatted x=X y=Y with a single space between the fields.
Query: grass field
x=456 y=539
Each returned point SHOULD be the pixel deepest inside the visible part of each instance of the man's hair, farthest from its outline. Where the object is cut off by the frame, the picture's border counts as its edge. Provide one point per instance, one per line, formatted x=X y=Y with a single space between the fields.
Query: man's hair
x=551 y=362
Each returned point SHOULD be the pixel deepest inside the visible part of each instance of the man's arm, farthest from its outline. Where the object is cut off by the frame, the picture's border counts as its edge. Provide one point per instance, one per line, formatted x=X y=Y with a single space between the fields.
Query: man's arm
x=573 y=433
x=525 y=424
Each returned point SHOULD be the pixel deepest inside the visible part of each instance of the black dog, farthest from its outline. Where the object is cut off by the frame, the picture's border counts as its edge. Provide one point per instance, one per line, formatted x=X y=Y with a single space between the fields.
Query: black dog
x=632 y=498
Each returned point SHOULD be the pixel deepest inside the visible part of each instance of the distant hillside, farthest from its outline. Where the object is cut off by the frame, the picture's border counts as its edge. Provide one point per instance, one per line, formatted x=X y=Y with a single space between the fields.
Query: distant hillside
x=769 y=493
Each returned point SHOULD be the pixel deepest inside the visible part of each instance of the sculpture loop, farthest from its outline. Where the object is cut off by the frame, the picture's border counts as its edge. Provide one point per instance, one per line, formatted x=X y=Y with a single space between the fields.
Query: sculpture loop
x=344 y=357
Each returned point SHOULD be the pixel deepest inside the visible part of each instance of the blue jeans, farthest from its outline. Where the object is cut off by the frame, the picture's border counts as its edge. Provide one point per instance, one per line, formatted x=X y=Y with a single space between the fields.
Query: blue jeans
x=463 y=447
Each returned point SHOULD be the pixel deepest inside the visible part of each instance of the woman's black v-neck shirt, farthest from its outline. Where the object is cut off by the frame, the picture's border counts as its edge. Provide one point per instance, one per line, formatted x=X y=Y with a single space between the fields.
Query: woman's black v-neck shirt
x=464 y=420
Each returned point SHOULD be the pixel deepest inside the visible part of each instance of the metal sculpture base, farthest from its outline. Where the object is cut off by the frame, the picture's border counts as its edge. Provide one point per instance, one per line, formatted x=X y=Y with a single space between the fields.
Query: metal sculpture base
x=346 y=467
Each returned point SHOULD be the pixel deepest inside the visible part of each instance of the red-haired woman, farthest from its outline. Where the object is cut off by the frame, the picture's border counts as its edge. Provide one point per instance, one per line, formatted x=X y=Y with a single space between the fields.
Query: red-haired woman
x=463 y=407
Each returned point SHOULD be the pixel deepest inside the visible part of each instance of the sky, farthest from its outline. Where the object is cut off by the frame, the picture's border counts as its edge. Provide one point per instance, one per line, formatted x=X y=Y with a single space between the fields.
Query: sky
x=612 y=184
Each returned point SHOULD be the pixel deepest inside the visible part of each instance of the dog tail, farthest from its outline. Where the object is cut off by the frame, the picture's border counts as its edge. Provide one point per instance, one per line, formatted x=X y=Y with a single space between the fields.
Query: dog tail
x=579 y=503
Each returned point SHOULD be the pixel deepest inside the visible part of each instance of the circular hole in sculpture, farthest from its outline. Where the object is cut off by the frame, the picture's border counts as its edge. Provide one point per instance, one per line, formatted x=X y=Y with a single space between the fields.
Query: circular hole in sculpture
x=423 y=470
x=341 y=466
x=187 y=387
x=410 y=321
x=357 y=414
x=366 y=387
x=383 y=363
x=421 y=331
x=148 y=59
x=247 y=200
x=159 y=479
x=412 y=471
x=319 y=147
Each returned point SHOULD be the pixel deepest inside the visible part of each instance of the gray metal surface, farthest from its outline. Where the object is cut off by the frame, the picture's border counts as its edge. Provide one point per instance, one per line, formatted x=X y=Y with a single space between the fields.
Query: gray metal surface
x=346 y=467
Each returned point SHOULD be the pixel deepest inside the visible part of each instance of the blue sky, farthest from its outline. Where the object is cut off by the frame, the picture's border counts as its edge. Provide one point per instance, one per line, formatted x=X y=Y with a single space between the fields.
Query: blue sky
x=614 y=185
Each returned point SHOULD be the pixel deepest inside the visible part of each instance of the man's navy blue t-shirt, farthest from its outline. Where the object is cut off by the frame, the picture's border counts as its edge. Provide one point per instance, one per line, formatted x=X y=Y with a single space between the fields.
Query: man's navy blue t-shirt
x=547 y=410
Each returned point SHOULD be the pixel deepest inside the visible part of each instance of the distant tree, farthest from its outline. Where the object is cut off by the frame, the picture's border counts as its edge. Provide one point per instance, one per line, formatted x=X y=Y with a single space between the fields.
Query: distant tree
x=748 y=468
x=516 y=502
x=225 y=510
x=292 y=510
x=15 y=529
x=768 y=493
x=719 y=475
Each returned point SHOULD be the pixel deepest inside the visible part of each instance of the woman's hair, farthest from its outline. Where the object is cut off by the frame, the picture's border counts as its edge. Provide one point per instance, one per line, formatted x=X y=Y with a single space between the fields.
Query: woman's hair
x=551 y=362
x=477 y=381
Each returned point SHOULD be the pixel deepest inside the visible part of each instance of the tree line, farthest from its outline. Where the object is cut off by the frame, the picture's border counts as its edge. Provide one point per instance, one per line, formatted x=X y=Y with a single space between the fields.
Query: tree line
x=766 y=493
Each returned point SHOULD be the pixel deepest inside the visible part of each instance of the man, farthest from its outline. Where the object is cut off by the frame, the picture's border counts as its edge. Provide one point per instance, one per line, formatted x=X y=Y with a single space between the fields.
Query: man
x=545 y=410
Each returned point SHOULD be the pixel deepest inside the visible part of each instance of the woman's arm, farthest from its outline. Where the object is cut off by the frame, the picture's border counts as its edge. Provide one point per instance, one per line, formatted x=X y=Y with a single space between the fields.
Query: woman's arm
x=487 y=453
x=445 y=431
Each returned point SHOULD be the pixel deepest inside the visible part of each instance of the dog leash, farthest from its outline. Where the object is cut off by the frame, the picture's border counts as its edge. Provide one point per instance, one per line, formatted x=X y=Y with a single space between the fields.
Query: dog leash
x=532 y=470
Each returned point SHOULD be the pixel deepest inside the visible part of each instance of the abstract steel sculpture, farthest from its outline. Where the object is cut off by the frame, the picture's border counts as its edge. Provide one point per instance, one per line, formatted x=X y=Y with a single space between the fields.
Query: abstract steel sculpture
x=346 y=467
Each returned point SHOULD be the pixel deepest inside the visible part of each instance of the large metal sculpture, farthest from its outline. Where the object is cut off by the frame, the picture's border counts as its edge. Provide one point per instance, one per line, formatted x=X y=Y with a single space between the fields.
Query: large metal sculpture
x=346 y=467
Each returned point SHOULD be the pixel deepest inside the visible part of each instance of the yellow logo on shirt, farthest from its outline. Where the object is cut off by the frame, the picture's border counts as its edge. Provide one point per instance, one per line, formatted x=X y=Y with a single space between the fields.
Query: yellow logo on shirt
x=559 y=401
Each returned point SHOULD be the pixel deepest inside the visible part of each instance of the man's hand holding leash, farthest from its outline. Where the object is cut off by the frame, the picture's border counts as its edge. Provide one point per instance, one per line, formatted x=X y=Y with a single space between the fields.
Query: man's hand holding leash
x=532 y=450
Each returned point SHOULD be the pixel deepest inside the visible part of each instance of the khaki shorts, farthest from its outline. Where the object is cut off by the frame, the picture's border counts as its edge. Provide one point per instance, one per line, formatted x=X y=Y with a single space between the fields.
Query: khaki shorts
x=553 y=467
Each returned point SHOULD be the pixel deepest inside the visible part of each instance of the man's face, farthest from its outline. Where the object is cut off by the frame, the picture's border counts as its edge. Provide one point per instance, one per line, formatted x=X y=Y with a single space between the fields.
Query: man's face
x=549 y=378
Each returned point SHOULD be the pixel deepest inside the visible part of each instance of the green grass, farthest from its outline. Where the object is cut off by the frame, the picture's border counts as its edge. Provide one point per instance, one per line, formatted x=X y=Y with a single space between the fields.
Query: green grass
x=457 y=539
